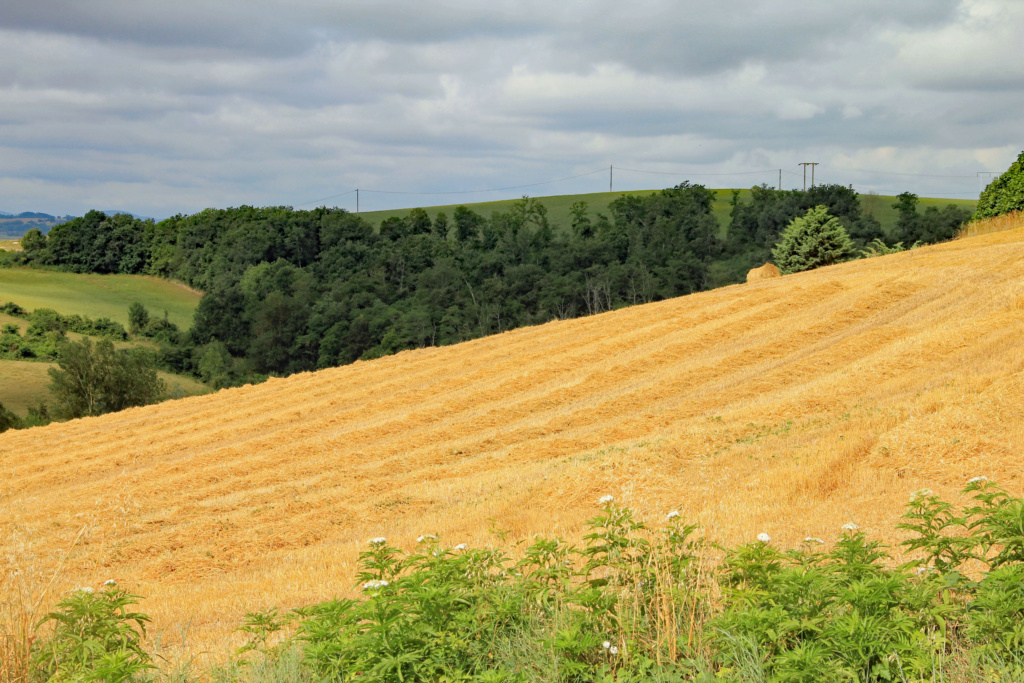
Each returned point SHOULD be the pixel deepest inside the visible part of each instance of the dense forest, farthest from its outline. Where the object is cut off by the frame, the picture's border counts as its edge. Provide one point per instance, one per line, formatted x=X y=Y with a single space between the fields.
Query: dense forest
x=287 y=291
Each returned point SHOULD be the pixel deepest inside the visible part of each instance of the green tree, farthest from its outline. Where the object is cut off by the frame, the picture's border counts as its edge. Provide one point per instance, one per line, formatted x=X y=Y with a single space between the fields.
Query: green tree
x=33 y=241
x=813 y=240
x=215 y=365
x=92 y=380
x=1005 y=193
x=8 y=420
x=138 y=318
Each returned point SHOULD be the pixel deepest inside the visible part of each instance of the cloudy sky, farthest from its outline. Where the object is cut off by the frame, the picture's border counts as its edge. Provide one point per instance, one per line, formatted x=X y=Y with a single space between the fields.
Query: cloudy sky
x=160 y=107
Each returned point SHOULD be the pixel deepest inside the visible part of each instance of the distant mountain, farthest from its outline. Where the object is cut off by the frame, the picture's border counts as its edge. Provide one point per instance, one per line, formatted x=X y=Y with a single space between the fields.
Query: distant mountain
x=4 y=214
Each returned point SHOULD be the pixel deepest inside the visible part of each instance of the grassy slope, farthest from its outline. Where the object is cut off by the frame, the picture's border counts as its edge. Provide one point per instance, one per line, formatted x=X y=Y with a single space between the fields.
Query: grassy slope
x=558 y=206
x=25 y=383
x=789 y=406
x=97 y=295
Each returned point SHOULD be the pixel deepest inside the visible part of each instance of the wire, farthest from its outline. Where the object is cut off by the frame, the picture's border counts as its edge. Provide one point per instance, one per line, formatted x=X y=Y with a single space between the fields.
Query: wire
x=333 y=196
x=917 y=175
x=496 y=189
x=635 y=170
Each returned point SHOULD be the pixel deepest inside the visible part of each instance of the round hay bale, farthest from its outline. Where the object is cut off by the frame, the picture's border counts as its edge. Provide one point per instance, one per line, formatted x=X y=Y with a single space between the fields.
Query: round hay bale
x=766 y=271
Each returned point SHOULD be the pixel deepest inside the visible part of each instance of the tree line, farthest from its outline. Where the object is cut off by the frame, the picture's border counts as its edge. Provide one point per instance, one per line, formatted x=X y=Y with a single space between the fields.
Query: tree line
x=288 y=291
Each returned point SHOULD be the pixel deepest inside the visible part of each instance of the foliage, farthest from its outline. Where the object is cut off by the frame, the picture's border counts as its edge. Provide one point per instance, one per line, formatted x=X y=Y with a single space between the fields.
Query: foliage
x=629 y=604
x=878 y=247
x=813 y=240
x=94 y=637
x=934 y=225
x=97 y=379
x=8 y=420
x=1004 y=194
x=138 y=318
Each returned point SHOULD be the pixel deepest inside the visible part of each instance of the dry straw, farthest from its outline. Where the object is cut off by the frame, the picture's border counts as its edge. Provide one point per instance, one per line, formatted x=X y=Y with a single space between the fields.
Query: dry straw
x=788 y=408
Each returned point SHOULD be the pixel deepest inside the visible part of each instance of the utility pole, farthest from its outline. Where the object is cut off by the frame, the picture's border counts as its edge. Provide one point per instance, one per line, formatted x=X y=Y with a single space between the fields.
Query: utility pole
x=981 y=182
x=357 y=200
x=611 y=176
x=805 y=164
x=780 y=180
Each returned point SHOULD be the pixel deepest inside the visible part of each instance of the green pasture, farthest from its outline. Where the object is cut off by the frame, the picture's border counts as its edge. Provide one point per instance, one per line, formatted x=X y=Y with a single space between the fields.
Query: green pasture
x=97 y=296
x=24 y=383
x=880 y=206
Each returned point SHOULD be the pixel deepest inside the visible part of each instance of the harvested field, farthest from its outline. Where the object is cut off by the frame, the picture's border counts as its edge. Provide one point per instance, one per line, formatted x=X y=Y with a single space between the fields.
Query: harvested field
x=789 y=405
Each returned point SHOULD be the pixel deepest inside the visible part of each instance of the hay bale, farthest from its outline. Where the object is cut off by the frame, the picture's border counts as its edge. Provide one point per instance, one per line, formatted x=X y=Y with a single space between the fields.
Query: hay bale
x=766 y=271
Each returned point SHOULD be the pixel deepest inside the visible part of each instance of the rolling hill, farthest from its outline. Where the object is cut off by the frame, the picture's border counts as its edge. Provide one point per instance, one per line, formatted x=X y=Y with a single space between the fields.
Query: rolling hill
x=879 y=206
x=788 y=406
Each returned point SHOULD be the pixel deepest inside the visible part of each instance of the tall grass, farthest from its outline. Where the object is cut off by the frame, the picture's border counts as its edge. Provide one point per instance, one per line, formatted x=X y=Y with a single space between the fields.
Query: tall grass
x=1007 y=221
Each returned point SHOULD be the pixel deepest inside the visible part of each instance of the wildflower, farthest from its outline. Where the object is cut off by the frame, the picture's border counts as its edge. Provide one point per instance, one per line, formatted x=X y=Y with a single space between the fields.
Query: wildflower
x=922 y=570
x=975 y=480
x=605 y=499
x=86 y=589
x=426 y=537
x=110 y=582
x=672 y=515
x=614 y=650
x=375 y=584
x=606 y=644
x=764 y=538
x=461 y=546
x=923 y=493
x=850 y=526
x=812 y=539
x=380 y=540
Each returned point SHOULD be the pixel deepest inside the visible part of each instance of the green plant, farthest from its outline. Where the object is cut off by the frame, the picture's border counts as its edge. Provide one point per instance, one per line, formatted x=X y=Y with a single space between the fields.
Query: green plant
x=93 y=637
x=810 y=241
x=1004 y=194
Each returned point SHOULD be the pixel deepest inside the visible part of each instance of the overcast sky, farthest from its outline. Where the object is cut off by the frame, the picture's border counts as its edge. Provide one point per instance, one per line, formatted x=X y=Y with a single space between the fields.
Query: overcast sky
x=160 y=107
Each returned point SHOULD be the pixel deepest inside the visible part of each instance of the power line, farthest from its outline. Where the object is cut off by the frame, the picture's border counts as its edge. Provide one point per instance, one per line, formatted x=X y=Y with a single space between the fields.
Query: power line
x=494 y=189
x=917 y=175
x=333 y=196
x=684 y=173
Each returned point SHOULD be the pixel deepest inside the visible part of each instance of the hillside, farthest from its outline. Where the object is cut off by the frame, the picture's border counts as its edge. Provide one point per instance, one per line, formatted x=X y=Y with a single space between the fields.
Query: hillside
x=97 y=296
x=879 y=206
x=789 y=406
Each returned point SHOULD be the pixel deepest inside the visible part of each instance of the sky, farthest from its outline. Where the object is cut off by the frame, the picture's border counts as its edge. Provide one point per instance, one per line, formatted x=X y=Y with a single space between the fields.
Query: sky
x=160 y=107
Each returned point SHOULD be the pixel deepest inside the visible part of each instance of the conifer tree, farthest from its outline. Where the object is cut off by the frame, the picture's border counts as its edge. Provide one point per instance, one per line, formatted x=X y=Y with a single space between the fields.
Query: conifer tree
x=810 y=241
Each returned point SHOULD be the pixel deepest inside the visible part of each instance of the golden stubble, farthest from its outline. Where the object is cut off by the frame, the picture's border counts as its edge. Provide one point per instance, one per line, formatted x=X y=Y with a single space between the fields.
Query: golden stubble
x=790 y=406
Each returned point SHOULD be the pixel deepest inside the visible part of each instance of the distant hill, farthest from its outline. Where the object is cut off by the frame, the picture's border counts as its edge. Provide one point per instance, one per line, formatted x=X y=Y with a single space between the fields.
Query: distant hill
x=16 y=225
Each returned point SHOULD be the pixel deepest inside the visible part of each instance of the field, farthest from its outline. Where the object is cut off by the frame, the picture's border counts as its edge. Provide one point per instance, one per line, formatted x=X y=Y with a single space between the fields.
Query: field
x=879 y=206
x=25 y=383
x=788 y=406
x=97 y=296
x=10 y=244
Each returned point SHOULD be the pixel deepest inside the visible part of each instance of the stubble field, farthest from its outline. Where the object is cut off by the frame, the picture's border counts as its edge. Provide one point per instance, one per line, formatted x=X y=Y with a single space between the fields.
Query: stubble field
x=788 y=406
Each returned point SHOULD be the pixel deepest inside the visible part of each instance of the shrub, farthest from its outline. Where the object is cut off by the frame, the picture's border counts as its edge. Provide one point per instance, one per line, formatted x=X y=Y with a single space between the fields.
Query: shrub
x=93 y=380
x=94 y=638
x=1004 y=194
x=813 y=240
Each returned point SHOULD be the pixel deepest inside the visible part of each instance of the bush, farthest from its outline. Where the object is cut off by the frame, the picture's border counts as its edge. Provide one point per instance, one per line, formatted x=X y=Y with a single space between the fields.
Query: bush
x=8 y=420
x=94 y=638
x=93 y=380
x=813 y=240
x=1004 y=194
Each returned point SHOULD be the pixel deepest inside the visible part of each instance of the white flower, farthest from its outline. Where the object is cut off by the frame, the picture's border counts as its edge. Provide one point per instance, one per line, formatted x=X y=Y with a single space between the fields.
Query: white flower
x=812 y=539
x=461 y=546
x=375 y=584
x=605 y=499
x=850 y=526
x=606 y=644
x=922 y=570
x=86 y=589
x=380 y=540
x=110 y=582
x=426 y=537
x=614 y=650
x=672 y=515
x=921 y=493
x=764 y=538
x=975 y=480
